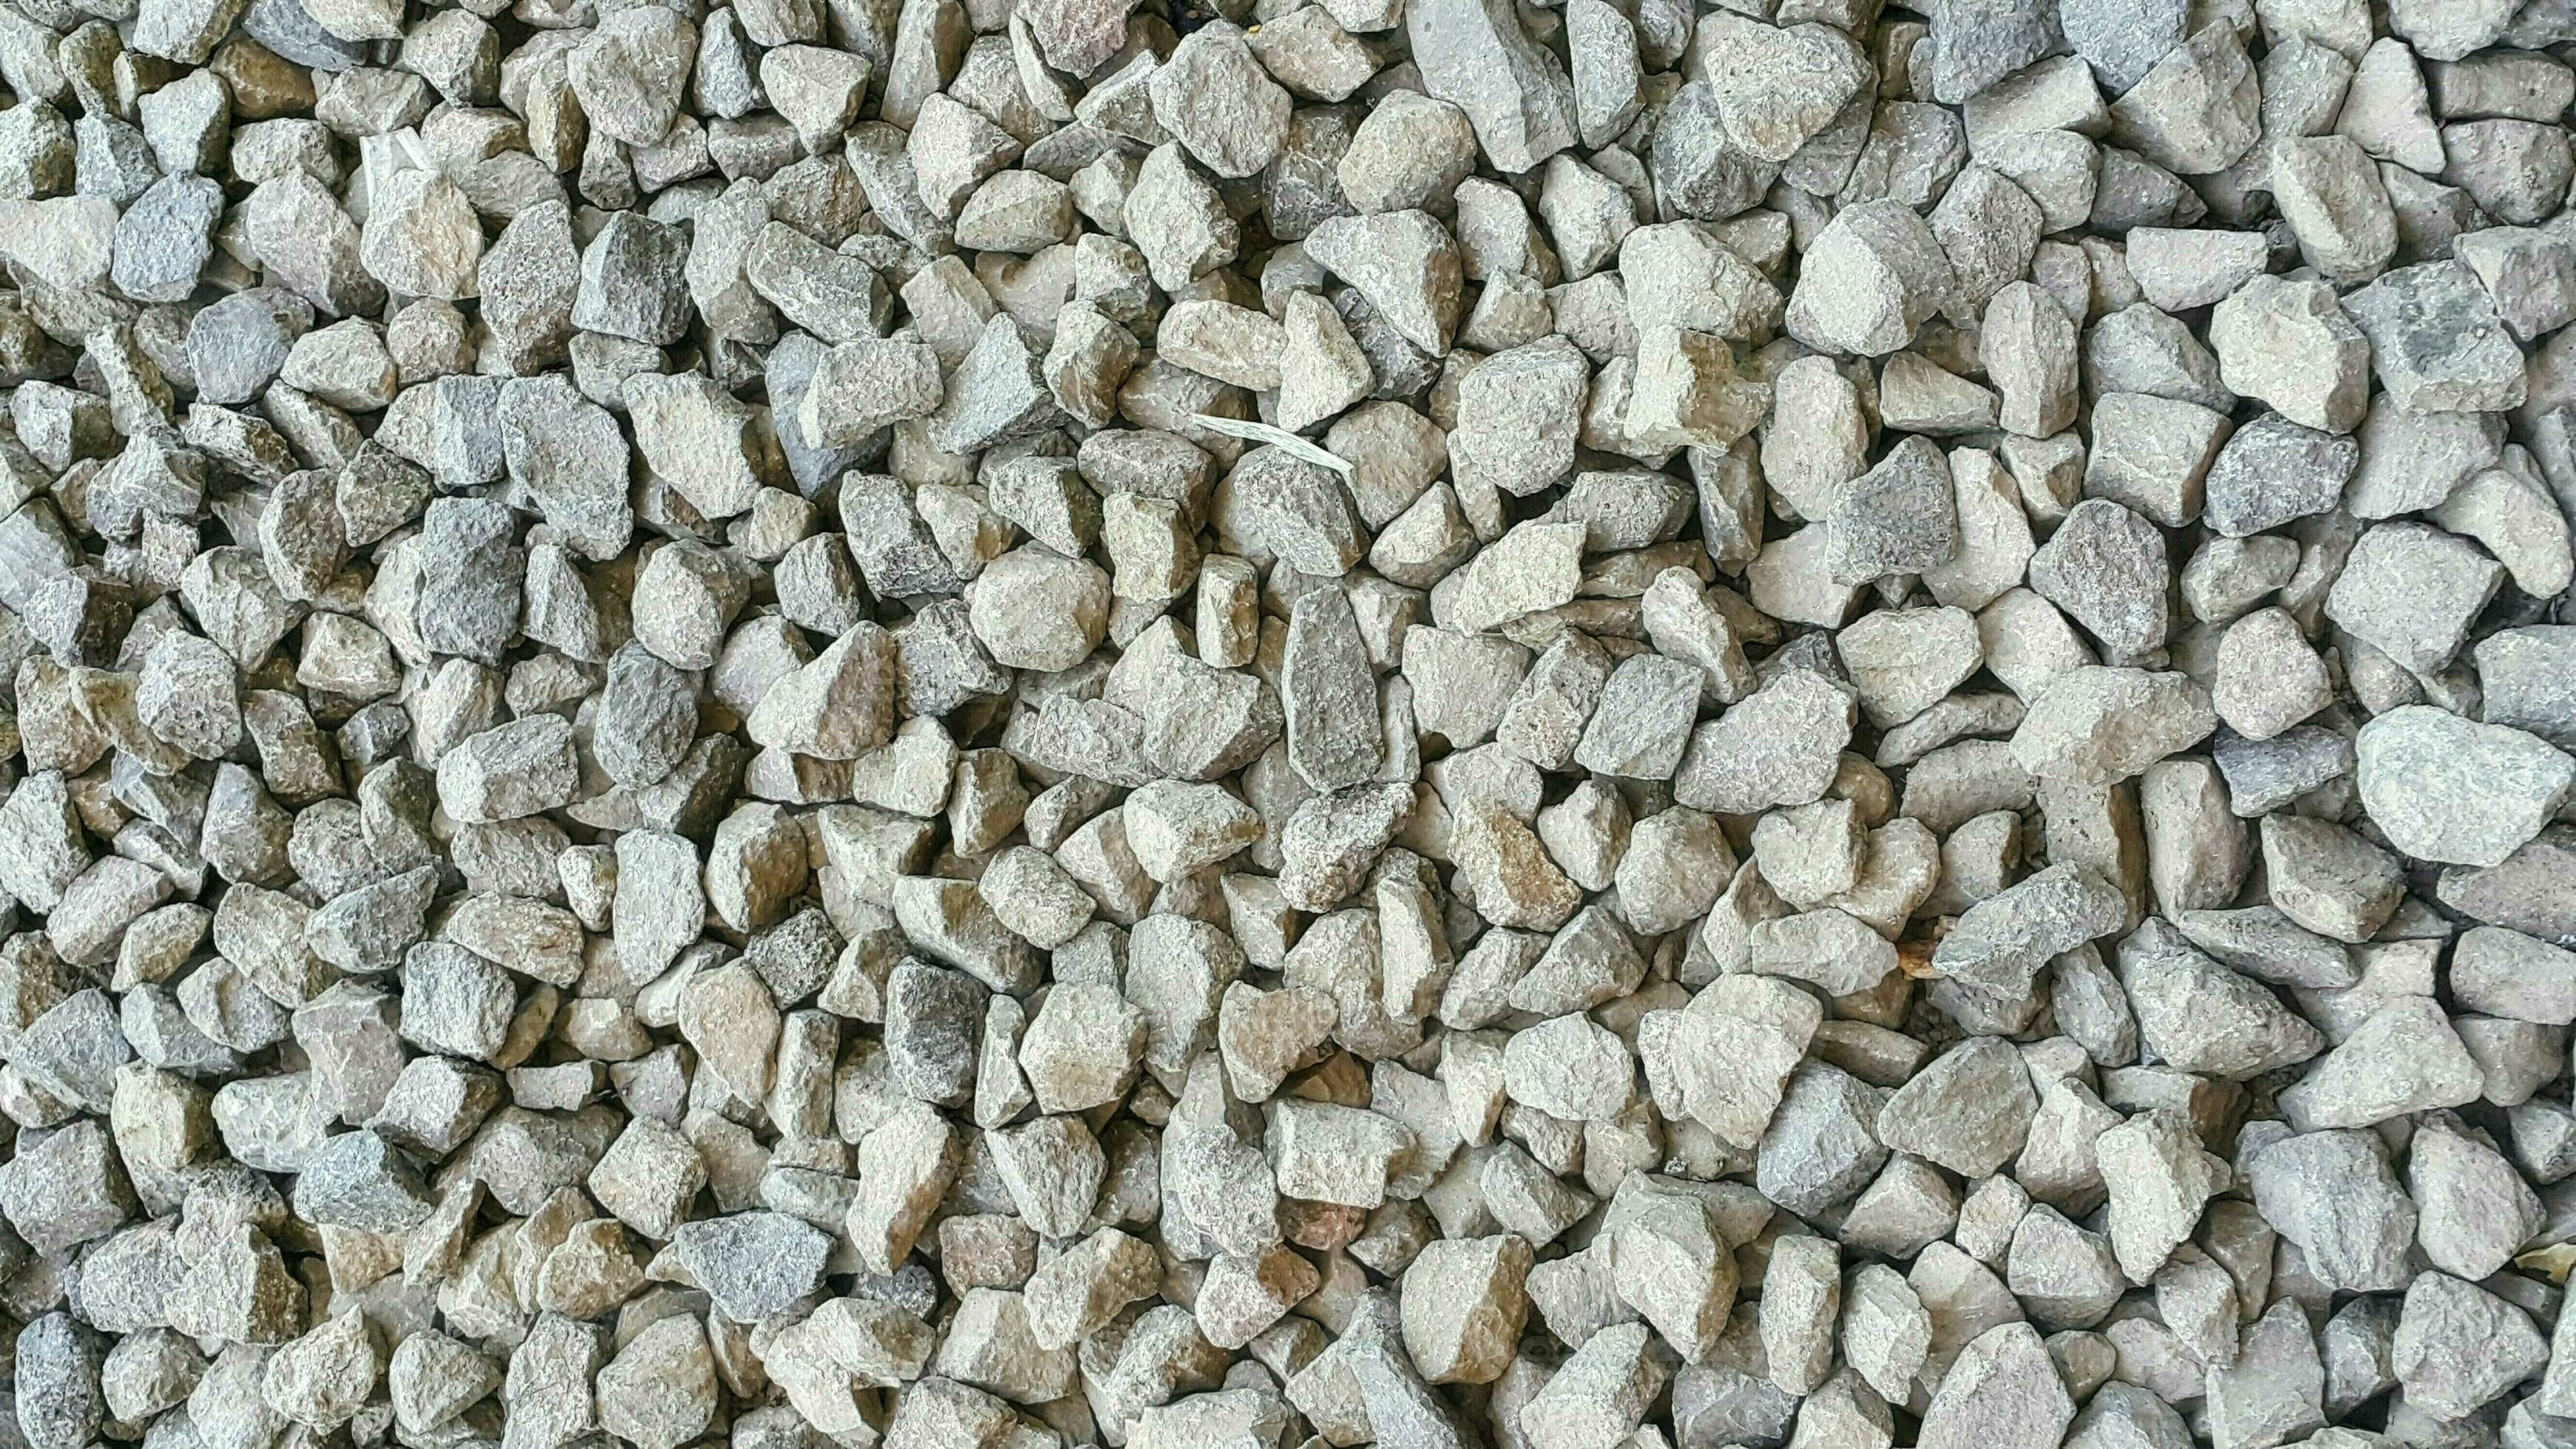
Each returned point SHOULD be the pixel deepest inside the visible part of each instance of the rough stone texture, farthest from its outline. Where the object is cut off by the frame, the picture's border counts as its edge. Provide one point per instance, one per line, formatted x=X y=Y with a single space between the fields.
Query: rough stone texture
x=961 y=726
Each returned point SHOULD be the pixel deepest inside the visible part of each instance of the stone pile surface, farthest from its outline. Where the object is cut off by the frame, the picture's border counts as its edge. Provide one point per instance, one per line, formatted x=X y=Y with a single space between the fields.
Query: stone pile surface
x=1616 y=724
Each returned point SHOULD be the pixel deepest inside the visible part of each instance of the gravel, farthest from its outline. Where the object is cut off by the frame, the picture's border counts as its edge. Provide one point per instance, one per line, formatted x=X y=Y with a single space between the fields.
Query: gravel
x=1276 y=724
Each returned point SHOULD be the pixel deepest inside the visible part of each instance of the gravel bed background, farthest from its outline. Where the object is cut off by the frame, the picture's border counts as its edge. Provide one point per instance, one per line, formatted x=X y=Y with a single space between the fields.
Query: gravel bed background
x=953 y=724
